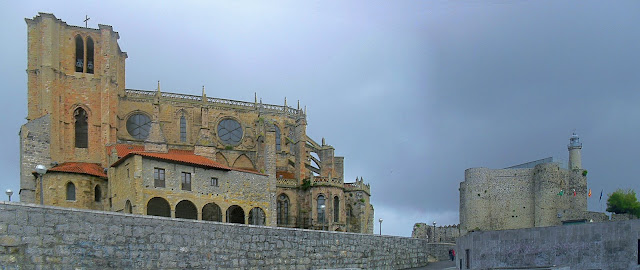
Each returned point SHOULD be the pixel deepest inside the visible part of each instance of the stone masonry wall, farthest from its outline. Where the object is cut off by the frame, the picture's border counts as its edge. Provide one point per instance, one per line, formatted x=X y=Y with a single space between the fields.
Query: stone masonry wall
x=605 y=245
x=33 y=236
x=34 y=149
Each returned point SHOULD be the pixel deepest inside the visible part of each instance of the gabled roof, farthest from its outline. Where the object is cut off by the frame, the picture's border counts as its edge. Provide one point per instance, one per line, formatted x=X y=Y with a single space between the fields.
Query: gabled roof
x=80 y=167
x=173 y=155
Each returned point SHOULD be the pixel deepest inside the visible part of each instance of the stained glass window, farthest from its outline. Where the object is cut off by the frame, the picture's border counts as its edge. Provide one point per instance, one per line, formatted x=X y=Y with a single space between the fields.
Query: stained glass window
x=230 y=132
x=138 y=126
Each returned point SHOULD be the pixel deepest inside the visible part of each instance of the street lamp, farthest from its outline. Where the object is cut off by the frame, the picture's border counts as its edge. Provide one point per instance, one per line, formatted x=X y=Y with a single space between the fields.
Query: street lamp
x=434 y=231
x=9 y=193
x=380 y=226
x=41 y=170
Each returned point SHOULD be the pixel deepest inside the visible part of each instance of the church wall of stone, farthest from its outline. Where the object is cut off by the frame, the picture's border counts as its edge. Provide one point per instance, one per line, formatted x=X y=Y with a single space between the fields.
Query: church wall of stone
x=247 y=190
x=441 y=234
x=34 y=150
x=51 y=237
x=55 y=188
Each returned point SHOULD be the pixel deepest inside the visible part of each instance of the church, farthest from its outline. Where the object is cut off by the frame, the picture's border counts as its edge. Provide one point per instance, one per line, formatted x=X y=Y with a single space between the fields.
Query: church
x=91 y=143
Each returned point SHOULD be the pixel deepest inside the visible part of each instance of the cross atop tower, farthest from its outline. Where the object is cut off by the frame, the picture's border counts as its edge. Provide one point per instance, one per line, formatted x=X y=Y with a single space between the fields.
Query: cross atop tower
x=86 y=19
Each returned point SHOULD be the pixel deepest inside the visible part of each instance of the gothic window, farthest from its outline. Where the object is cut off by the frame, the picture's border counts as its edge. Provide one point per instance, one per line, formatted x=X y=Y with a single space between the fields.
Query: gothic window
x=158 y=177
x=283 y=209
x=128 y=208
x=230 y=132
x=97 y=192
x=256 y=216
x=186 y=181
x=138 y=126
x=321 y=207
x=278 y=148
x=89 y=55
x=336 y=209
x=79 y=54
x=71 y=192
x=82 y=128
x=183 y=129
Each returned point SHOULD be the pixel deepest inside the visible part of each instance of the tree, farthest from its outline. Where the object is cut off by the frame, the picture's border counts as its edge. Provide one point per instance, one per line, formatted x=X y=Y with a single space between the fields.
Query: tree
x=623 y=202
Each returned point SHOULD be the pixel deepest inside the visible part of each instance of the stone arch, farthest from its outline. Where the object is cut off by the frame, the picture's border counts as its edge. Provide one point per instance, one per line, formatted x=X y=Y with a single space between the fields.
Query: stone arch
x=212 y=212
x=282 y=209
x=71 y=191
x=235 y=214
x=186 y=209
x=243 y=162
x=256 y=216
x=158 y=206
x=220 y=158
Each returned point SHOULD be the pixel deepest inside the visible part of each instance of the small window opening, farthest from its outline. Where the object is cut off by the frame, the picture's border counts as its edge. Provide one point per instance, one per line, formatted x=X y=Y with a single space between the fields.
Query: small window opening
x=97 y=193
x=214 y=181
x=71 y=192
x=82 y=128
x=186 y=181
x=158 y=177
x=467 y=257
x=278 y=145
x=336 y=209
x=89 y=55
x=79 y=54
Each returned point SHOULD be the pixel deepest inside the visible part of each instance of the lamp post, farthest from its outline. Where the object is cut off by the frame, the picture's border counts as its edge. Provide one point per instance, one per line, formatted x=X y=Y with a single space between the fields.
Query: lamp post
x=9 y=193
x=41 y=170
x=380 y=220
x=434 y=231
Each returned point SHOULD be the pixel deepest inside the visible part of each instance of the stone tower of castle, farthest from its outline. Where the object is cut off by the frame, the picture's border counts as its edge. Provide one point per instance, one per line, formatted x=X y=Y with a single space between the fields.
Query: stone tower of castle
x=575 y=146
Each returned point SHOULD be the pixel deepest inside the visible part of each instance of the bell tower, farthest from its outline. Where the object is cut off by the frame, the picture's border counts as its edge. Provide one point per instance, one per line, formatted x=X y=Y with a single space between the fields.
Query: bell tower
x=575 y=158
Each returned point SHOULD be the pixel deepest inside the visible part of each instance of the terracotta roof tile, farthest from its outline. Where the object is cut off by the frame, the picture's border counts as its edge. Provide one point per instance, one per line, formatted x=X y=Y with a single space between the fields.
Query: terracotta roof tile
x=80 y=167
x=174 y=155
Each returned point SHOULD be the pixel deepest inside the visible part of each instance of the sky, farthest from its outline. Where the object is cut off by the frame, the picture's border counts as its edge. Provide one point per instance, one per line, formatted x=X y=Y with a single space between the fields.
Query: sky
x=411 y=93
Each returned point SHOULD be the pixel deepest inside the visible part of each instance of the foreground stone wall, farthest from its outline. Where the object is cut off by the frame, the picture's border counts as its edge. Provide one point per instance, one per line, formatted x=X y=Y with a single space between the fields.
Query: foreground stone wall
x=605 y=245
x=33 y=236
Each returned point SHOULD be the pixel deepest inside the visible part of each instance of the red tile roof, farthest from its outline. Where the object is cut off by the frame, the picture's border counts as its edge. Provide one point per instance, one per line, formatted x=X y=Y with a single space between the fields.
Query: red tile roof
x=285 y=175
x=174 y=155
x=80 y=167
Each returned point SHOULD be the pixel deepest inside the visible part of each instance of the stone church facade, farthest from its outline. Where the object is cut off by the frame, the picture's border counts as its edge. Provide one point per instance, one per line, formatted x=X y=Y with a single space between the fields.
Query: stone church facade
x=151 y=152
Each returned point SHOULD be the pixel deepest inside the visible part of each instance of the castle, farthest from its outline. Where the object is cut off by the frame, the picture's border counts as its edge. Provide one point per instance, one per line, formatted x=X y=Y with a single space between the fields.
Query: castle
x=105 y=147
x=535 y=194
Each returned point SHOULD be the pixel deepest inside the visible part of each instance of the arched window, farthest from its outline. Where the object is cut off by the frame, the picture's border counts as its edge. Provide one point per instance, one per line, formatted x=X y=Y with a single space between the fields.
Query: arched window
x=71 y=192
x=79 y=54
x=256 y=216
x=82 y=128
x=97 y=192
x=321 y=207
x=283 y=209
x=89 y=55
x=183 y=129
x=278 y=147
x=128 y=208
x=336 y=209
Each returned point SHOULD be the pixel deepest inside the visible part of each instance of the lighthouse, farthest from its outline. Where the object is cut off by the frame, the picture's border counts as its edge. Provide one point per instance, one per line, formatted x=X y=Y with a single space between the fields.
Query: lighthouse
x=575 y=159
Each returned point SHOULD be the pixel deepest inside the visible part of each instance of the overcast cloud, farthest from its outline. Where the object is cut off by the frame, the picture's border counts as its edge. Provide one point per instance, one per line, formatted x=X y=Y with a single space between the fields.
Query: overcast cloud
x=411 y=93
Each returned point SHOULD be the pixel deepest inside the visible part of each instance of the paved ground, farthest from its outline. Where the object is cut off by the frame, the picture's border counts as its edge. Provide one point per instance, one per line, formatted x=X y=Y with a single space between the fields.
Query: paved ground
x=449 y=265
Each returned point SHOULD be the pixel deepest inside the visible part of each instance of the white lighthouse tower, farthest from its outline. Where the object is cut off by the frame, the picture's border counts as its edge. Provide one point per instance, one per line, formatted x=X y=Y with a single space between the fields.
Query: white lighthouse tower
x=575 y=158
